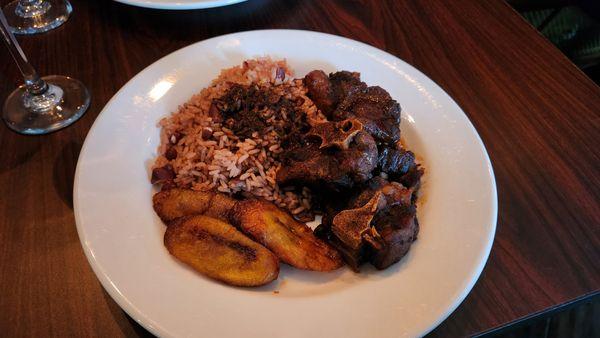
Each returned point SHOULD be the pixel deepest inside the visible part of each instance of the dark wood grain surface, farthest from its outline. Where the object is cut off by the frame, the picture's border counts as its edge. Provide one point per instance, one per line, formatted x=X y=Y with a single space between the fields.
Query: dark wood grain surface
x=538 y=115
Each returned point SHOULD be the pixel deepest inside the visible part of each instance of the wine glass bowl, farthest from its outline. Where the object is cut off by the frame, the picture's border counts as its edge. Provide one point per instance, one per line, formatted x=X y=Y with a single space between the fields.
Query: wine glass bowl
x=36 y=16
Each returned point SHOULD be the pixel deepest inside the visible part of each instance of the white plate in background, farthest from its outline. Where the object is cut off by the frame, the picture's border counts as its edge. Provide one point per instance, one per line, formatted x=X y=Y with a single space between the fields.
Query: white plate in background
x=180 y=4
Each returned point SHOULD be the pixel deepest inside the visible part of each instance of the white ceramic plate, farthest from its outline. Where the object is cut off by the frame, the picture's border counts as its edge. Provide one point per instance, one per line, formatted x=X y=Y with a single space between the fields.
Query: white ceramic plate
x=123 y=239
x=180 y=4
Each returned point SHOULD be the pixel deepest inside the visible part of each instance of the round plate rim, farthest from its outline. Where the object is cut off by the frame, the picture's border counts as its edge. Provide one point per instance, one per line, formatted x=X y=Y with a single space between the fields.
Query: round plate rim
x=154 y=327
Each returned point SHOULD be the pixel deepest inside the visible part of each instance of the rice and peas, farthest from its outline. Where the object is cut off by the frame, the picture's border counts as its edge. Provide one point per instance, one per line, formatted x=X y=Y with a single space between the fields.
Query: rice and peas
x=205 y=155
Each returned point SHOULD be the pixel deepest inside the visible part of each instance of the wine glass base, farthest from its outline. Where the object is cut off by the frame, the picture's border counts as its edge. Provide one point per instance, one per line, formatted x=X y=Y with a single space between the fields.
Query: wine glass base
x=75 y=101
x=49 y=15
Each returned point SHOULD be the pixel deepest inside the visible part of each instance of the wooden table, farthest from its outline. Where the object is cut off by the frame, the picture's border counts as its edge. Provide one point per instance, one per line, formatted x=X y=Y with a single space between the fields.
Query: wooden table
x=536 y=112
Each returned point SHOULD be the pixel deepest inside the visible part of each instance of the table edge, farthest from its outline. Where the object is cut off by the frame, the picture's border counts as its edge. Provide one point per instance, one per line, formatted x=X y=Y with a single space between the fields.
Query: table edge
x=547 y=312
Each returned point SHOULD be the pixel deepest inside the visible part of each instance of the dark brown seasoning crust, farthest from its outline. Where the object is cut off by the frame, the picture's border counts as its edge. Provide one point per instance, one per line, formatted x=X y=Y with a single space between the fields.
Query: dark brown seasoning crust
x=375 y=108
x=321 y=91
x=379 y=223
x=248 y=109
x=395 y=161
x=377 y=226
x=328 y=169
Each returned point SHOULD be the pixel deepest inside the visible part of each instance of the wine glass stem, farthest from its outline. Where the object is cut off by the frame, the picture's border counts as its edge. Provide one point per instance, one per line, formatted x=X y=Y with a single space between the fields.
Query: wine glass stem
x=35 y=85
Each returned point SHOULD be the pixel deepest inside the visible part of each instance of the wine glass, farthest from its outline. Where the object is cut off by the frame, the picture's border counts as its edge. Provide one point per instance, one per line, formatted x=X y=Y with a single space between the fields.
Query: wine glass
x=41 y=105
x=36 y=16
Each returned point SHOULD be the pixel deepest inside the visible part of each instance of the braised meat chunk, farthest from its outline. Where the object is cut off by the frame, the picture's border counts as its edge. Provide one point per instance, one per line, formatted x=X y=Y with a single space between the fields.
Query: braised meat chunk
x=412 y=179
x=328 y=91
x=325 y=160
x=345 y=83
x=320 y=91
x=378 y=226
x=376 y=109
x=343 y=95
x=360 y=158
x=394 y=161
x=309 y=165
x=400 y=165
x=352 y=228
x=397 y=227
x=395 y=222
x=393 y=192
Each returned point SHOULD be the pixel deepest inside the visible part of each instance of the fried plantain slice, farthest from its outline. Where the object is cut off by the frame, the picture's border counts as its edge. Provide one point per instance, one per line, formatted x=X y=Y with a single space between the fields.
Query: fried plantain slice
x=174 y=203
x=293 y=242
x=217 y=250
